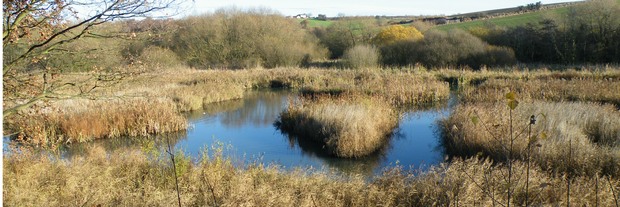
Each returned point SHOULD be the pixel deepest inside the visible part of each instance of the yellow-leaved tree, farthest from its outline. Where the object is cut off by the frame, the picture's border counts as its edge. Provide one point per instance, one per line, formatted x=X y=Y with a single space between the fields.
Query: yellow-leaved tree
x=396 y=33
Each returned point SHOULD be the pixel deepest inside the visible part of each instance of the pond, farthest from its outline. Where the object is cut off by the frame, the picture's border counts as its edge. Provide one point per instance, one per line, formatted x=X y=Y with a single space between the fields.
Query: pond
x=247 y=125
x=245 y=128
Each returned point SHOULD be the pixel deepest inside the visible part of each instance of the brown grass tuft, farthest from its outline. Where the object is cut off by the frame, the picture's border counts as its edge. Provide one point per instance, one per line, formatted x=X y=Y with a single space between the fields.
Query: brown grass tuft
x=349 y=127
x=99 y=119
x=581 y=138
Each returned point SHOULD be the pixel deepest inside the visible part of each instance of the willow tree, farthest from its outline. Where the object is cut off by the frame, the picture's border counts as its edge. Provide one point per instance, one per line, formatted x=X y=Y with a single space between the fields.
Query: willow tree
x=34 y=29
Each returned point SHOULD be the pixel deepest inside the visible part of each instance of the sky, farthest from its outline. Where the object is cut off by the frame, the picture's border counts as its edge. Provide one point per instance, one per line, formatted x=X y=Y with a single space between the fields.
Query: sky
x=364 y=7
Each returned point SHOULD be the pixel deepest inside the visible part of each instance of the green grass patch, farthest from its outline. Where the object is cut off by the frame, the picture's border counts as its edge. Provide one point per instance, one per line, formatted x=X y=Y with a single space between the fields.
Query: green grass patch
x=508 y=21
x=312 y=23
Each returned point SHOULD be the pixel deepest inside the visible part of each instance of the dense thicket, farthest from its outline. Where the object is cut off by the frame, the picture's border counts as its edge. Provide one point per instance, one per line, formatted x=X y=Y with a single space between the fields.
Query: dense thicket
x=589 y=33
x=446 y=49
x=345 y=34
x=240 y=39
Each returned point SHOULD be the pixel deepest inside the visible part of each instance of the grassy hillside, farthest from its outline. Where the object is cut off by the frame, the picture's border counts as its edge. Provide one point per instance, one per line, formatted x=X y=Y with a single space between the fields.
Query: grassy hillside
x=316 y=23
x=508 y=21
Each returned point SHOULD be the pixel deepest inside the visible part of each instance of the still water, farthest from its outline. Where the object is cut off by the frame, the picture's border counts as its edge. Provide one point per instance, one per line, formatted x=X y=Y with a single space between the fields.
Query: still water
x=247 y=126
x=245 y=129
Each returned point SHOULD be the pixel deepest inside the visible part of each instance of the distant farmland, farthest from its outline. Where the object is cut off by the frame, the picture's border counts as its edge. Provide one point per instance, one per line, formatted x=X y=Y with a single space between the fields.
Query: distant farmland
x=508 y=21
x=316 y=23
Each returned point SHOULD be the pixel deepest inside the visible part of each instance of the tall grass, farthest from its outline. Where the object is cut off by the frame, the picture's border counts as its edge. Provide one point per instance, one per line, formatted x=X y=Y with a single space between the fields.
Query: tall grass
x=397 y=88
x=192 y=89
x=88 y=120
x=196 y=96
x=348 y=127
x=548 y=89
x=130 y=178
x=576 y=138
x=590 y=84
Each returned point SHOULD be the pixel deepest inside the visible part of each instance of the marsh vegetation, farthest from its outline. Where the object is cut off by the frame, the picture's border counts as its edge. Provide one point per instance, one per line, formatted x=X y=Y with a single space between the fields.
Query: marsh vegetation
x=519 y=132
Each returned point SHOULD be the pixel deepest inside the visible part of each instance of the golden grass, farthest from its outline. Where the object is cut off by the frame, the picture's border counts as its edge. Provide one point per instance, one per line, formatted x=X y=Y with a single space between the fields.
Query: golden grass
x=581 y=138
x=398 y=88
x=466 y=77
x=88 y=120
x=195 y=97
x=347 y=126
x=590 y=84
x=193 y=89
x=602 y=91
x=129 y=178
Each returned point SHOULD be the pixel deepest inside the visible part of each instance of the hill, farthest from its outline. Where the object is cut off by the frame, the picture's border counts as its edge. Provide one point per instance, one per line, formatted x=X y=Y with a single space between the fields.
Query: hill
x=509 y=17
x=506 y=21
x=311 y=23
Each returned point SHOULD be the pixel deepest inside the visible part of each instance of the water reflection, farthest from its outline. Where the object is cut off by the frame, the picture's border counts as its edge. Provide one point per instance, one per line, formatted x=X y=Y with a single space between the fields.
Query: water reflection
x=363 y=166
x=258 y=108
x=153 y=144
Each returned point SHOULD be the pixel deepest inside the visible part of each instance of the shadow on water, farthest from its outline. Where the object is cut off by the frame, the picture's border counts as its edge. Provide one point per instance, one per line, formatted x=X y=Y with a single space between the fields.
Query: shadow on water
x=153 y=144
x=365 y=165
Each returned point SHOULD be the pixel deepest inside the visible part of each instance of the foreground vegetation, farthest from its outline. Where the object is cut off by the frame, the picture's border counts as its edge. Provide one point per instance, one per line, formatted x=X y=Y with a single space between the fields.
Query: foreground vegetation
x=575 y=138
x=586 y=163
x=66 y=83
x=129 y=177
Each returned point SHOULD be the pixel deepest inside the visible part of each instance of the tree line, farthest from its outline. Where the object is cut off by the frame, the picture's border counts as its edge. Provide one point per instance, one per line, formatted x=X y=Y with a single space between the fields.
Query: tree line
x=234 y=38
x=588 y=33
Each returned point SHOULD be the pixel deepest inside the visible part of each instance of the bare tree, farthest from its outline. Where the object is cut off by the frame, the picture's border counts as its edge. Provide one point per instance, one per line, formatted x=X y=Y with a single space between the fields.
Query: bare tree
x=34 y=28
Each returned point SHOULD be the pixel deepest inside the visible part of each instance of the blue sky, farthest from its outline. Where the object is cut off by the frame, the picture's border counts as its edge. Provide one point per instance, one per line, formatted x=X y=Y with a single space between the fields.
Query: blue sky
x=364 y=7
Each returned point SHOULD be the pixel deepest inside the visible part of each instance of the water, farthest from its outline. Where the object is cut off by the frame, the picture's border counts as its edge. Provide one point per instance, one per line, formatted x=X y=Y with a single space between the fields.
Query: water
x=246 y=129
x=247 y=126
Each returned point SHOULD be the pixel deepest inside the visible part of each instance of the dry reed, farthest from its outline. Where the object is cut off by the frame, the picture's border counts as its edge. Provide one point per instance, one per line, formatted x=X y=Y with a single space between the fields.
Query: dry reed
x=595 y=84
x=602 y=91
x=347 y=126
x=579 y=138
x=193 y=89
x=90 y=120
x=129 y=178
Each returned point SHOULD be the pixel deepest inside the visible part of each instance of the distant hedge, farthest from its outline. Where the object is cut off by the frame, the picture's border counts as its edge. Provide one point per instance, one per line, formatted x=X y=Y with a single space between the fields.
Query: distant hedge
x=446 y=49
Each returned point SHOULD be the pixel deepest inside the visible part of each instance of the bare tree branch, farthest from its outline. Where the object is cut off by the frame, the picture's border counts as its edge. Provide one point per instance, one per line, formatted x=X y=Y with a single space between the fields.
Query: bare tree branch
x=41 y=26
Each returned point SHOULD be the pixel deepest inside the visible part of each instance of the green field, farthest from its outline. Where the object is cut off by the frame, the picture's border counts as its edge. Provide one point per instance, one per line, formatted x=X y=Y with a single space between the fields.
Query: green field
x=316 y=23
x=509 y=21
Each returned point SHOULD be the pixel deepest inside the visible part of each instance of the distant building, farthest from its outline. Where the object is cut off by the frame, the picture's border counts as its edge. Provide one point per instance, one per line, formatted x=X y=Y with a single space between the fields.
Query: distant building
x=301 y=16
